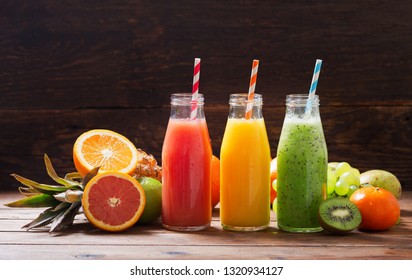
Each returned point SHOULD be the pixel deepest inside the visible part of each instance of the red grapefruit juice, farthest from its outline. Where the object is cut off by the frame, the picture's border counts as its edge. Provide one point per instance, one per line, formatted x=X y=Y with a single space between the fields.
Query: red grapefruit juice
x=186 y=175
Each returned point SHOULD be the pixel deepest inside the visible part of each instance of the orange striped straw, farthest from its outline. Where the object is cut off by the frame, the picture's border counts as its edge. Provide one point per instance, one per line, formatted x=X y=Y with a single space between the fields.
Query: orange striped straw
x=252 y=85
x=195 y=88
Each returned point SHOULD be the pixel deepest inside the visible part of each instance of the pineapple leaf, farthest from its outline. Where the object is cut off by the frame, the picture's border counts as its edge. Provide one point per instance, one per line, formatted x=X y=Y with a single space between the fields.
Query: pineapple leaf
x=24 y=181
x=52 y=173
x=43 y=188
x=38 y=200
x=66 y=218
x=28 y=191
x=90 y=175
x=49 y=189
x=69 y=196
x=62 y=205
x=73 y=176
x=44 y=218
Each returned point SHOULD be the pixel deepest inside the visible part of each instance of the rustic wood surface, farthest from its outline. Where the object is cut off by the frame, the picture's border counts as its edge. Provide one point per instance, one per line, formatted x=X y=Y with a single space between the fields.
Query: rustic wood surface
x=82 y=241
x=70 y=66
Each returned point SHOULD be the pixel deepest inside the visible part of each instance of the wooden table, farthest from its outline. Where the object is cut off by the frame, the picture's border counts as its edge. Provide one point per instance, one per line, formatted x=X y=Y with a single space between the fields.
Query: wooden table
x=82 y=241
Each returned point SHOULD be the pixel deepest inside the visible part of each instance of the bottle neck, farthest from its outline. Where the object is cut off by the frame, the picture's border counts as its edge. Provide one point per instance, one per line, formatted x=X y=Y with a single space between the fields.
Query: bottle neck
x=238 y=103
x=181 y=106
x=297 y=106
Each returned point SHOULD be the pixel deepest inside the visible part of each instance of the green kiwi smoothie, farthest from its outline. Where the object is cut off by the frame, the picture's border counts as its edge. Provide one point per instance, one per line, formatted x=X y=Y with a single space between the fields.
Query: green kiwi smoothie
x=302 y=173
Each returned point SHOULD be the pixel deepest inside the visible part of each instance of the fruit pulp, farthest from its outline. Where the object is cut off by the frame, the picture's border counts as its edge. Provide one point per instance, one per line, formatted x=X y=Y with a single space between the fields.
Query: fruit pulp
x=245 y=175
x=302 y=174
x=186 y=178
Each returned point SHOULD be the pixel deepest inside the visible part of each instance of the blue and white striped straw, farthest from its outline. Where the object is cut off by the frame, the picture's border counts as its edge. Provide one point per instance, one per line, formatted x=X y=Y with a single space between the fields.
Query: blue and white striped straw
x=314 y=84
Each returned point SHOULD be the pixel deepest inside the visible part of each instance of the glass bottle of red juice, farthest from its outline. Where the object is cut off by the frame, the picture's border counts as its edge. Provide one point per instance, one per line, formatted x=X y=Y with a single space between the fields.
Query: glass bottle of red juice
x=186 y=167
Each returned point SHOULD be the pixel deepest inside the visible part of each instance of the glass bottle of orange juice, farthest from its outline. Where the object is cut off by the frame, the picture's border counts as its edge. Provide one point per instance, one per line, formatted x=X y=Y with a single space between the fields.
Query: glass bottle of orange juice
x=245 y=168
x=186 y=168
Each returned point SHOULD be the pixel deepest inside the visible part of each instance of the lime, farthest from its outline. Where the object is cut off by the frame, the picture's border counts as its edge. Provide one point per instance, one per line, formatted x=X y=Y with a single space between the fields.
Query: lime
x=153 y=192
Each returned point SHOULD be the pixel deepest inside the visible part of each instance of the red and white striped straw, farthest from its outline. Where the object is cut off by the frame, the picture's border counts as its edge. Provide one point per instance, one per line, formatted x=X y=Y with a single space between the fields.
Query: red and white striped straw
x=195 y=88
x=252 y=85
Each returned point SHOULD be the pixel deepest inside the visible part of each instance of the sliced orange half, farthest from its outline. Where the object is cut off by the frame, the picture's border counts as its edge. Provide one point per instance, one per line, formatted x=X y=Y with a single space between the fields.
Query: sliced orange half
x=105 y=148
x=113 y=201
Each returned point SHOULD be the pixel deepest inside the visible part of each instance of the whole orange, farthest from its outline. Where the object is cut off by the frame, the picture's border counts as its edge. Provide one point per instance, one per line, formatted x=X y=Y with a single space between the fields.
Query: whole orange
x=379 y=208
x=215 y=181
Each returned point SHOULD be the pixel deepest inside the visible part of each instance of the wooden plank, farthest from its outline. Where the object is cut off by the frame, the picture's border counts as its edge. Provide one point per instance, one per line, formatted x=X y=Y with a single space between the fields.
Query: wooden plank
x=197 y=252
x=83 y=233
x=82 y=241
x=56 y=55
x=213 y=235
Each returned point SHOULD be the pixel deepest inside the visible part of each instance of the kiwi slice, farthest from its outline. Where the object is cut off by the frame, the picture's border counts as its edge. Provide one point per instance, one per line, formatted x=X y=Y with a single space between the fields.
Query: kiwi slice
x=339 y=215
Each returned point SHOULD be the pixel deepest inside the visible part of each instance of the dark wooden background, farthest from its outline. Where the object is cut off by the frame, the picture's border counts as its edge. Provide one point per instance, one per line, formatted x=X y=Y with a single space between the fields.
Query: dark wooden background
x=70 y=66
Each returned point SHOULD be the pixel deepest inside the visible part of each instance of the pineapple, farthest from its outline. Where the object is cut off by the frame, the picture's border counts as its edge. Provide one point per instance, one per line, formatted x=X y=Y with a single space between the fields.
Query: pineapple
x=63 y=200
x=147 y=166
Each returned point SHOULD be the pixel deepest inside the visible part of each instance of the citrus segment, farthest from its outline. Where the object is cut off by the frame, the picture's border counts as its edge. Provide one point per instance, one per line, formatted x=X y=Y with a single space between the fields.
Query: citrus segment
x=113 y=201
x=106 y=149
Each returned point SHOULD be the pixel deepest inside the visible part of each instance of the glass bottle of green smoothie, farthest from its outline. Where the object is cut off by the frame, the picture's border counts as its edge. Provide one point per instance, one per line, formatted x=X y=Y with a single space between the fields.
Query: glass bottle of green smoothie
x=302 y=162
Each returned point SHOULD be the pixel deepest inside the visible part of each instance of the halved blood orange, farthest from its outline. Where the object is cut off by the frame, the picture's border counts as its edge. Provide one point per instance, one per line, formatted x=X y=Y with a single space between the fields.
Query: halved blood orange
x=113 y=201
x=106 y=149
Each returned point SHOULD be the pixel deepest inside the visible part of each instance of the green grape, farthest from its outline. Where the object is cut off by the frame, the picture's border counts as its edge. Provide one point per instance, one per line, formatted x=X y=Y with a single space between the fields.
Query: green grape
x=341 y=168
x=331 y=181
x=341 y=188
x=331 y=185
x=355 y=172
x=274 y=205
x=352 y=189
x=357 y=183
x=331 y=173
x=332 y=165
x=357 y=175
x=275 y=185
x=349 y=178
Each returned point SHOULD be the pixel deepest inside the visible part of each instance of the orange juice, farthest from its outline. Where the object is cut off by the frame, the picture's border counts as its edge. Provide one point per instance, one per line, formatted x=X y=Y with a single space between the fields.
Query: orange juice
x=245 y=174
